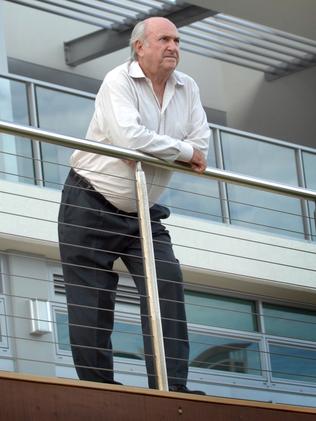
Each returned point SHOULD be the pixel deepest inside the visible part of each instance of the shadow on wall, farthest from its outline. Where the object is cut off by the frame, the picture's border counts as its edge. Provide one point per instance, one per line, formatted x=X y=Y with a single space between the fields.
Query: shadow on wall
x=282 y=109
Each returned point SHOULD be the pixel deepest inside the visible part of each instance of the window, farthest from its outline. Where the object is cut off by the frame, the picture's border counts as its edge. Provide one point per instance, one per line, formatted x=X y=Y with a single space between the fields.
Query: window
x=4 y=335
x=61 y=332
x=295 y=357
x=125 y=332
x=4 y=342
x=259 y=209
x=290 y=322
x=64 y=113
x=213 y=351
x=218 y=311
x=16 y=162
x=193 y=196
x=131 y=334
x=293 y=363
x=225 y=354
x=226 y=336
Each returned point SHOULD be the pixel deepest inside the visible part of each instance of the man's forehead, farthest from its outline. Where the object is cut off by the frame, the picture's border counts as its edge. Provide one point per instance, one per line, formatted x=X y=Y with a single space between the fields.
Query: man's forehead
x=168 y=33
x=161 y=26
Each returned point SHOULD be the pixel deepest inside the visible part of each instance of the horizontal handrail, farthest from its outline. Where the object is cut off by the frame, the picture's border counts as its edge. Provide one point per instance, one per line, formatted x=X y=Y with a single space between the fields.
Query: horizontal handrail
x=48 y=85
x=123 y=153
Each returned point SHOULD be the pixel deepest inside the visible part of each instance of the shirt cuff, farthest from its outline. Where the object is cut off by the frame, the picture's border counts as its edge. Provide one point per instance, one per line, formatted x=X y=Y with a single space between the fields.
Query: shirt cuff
x=186 y=152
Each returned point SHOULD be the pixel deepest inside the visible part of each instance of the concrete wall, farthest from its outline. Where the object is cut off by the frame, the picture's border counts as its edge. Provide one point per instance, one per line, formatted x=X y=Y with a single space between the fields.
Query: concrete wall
x=223 y=256
x=282 y=109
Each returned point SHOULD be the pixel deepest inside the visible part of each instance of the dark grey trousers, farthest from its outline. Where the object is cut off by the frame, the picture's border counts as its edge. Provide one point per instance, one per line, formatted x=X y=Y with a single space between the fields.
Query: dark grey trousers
x=92 y=235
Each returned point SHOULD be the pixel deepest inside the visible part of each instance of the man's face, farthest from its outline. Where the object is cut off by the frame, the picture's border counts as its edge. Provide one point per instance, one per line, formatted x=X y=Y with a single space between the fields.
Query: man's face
x=159 y=52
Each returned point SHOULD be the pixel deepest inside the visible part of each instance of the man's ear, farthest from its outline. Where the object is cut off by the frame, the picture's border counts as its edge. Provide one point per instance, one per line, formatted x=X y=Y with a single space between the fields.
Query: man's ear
x=138 y=47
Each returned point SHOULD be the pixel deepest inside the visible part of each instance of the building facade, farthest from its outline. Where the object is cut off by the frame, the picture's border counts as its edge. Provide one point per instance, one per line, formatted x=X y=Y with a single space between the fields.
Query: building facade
x=248 y=256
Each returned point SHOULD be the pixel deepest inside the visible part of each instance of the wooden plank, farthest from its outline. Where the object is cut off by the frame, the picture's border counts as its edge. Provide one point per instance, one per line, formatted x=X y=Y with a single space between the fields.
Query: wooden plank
x=37 y=399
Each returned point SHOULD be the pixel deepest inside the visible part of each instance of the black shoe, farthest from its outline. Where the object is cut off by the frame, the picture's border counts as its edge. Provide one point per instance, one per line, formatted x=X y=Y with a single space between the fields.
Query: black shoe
x=112 y=382
x=183 y=389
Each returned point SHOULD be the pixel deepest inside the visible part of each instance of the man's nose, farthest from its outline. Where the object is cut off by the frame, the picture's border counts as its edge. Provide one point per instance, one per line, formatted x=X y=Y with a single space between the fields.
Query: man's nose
x=173 y=45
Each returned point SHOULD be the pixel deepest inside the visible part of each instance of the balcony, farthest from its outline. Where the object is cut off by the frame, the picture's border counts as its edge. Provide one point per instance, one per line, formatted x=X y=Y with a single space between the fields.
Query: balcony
x=248 y=258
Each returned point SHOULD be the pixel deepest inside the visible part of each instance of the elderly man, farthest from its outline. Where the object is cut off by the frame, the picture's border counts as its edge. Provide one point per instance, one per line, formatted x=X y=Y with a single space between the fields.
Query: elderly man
x=148 y=106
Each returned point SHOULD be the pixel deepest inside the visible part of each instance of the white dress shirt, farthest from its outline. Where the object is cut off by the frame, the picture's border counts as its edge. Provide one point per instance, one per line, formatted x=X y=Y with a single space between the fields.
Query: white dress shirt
x=128 y=114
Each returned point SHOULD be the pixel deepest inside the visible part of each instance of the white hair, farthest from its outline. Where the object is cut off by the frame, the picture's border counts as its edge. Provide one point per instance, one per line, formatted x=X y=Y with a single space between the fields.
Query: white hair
x=138 y=34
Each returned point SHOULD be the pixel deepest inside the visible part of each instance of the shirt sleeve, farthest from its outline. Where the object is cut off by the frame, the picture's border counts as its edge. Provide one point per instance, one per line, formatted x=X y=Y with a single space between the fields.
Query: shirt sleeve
x=118 y=119
x=199 y=133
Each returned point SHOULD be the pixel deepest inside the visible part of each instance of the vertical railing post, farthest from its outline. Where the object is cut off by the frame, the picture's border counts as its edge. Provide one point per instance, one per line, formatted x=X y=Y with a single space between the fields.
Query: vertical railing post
x=151 y=280
x=37 y=163
x=222 y=186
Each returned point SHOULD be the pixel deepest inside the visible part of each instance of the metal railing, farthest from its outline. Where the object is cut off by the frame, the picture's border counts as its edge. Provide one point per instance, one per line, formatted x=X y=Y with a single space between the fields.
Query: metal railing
x=149 y=262
x=117 y=152
x=223 y=155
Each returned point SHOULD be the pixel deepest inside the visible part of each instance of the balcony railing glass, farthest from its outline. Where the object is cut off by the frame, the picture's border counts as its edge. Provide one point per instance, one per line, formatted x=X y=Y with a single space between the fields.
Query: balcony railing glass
x=68 y=112
x=309 y=165
x=16 y=154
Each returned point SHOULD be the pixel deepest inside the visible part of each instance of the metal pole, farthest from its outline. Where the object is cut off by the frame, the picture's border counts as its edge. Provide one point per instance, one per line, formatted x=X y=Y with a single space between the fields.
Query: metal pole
x=151 y=281
x=222 y=187
x=37 y=163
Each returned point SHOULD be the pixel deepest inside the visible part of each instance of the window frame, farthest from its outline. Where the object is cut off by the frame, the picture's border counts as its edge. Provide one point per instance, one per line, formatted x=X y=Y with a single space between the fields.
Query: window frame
x=263 y=381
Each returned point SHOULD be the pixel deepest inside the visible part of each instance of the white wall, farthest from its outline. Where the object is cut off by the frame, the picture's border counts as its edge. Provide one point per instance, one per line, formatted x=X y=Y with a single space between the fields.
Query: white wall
x=224 y=256
x=29 y=279
x=282 y=109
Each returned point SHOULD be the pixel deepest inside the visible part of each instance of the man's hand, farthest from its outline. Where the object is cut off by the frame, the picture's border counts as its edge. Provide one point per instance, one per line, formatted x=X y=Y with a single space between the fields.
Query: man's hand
x=198 y=162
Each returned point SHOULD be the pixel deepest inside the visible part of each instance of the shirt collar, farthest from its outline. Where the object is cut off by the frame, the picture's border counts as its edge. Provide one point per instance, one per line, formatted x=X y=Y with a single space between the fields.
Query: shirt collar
x=135 y=71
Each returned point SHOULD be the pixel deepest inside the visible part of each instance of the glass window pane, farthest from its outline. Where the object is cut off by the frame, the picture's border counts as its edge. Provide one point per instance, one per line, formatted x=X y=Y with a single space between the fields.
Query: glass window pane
x=217 y=311
x=16 y=162
x=62 y=331
x=127 y=340
x=194 y=196
x=63 y=113
x=258 y=209
x=265 y=212
x=225 y=354
x=290 y=322
x=309 y=161
x=297 y=364
x=3 y=330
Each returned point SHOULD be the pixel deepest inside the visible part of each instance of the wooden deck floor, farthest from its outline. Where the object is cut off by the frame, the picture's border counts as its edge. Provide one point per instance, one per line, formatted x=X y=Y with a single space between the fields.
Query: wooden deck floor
x=30 y=398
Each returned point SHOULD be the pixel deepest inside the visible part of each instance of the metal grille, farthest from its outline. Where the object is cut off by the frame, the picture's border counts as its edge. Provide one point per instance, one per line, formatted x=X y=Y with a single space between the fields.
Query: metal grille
x=59 y=285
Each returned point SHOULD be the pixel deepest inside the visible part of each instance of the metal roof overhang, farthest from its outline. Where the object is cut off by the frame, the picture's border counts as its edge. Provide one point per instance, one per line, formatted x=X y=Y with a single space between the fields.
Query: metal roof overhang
x=203 y=31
